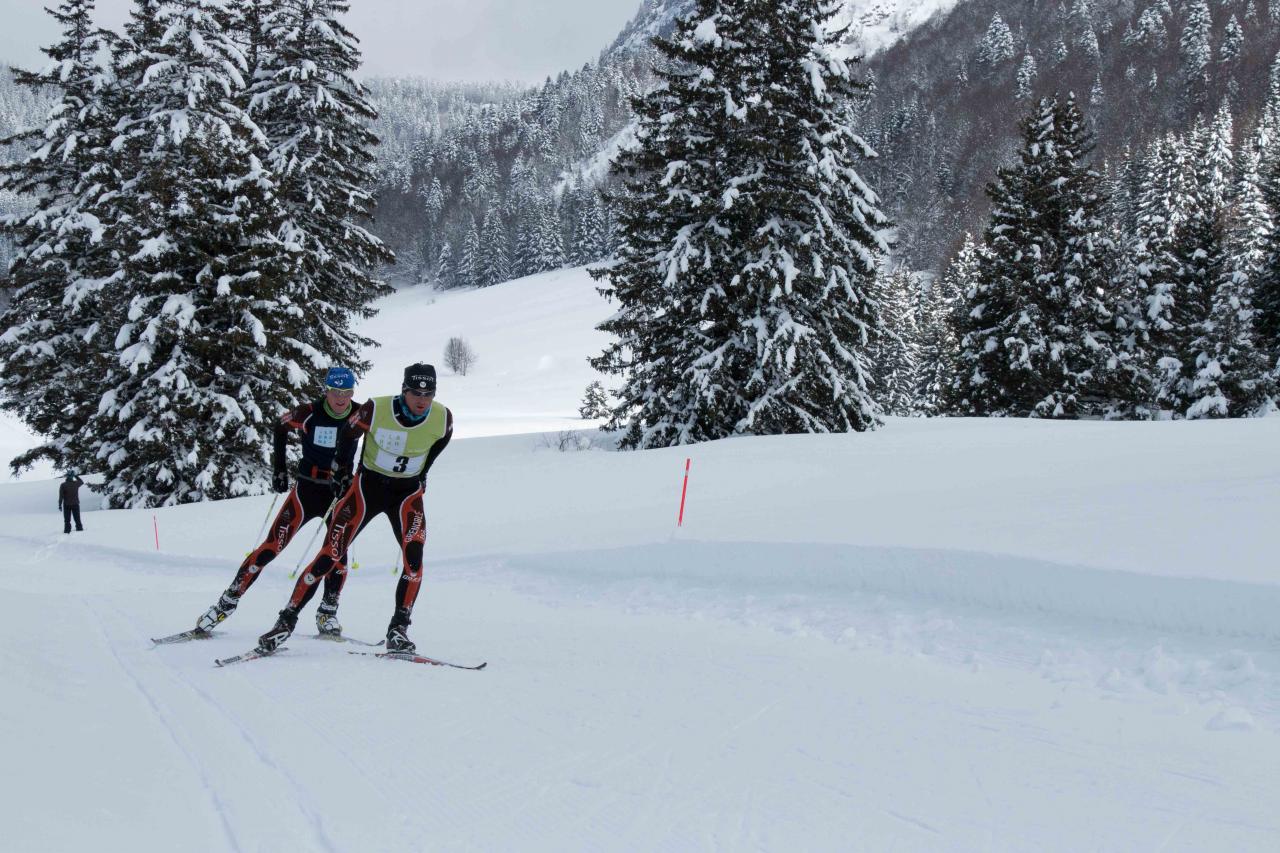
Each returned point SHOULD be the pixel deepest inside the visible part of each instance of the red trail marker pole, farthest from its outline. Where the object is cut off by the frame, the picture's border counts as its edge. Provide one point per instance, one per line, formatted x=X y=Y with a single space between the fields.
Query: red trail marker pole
x=156 y=525
x=684 y=490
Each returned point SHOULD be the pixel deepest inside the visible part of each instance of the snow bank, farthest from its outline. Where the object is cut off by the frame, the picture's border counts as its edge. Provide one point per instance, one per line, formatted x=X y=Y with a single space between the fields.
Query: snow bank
x=831 y=572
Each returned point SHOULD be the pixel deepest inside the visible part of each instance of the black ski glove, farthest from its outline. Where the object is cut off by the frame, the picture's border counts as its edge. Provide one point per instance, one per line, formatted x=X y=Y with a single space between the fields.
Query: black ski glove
x=280 y=482
x=341 y=482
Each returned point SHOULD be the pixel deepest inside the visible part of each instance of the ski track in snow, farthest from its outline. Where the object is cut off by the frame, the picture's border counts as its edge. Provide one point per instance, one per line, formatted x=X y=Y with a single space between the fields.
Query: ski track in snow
x=162 y=716
x=262 y=755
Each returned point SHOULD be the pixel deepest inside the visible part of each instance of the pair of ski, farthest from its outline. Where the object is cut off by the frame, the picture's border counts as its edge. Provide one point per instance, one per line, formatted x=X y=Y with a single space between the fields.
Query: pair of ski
x=254 y=654
x=200 y=634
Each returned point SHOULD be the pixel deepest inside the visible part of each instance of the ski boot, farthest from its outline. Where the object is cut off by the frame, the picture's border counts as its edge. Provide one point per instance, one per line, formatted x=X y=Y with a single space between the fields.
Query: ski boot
x=218 y=612
x=398 y=641
x=327 y=618
x=280 y=632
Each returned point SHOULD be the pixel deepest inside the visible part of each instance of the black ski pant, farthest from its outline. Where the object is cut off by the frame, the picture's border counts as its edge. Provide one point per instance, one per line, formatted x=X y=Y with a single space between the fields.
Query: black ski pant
x=370 y=495
x=70 y=511
x=305 y=501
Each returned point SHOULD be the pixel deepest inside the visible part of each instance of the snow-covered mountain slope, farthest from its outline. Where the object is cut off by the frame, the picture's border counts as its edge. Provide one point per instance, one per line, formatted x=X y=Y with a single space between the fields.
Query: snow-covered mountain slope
x=872 y=25
x=531 y=337
x=947 y=634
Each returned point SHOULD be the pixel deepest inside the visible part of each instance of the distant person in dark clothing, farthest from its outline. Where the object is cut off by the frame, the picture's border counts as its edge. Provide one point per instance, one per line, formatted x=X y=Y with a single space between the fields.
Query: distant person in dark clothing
x=69 y=501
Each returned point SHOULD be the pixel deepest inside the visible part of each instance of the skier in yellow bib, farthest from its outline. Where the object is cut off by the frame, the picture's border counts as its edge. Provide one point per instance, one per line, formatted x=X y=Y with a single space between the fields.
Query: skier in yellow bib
x=403 y=437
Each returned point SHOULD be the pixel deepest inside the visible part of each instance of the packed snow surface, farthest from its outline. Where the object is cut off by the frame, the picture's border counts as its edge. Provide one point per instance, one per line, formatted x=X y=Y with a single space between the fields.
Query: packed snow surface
x=943 y=635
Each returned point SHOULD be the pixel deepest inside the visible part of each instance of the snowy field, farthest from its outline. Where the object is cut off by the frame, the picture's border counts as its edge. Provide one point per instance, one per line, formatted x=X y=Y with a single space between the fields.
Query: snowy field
x=945 y=635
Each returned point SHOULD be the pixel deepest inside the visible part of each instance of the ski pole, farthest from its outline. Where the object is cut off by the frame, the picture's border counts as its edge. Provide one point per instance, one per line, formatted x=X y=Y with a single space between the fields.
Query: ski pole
x=324 y=522
x=265 y=521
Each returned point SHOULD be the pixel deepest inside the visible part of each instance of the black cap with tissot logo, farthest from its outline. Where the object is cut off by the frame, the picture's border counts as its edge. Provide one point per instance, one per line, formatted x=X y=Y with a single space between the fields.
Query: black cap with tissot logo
x=420 y=378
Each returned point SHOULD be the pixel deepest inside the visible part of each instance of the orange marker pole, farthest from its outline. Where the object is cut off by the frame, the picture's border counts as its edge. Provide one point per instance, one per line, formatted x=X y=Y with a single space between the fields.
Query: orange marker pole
x=683 y=492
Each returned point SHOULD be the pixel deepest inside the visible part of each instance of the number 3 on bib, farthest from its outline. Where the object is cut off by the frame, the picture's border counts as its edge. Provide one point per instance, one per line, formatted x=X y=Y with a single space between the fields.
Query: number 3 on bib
x=402 y=462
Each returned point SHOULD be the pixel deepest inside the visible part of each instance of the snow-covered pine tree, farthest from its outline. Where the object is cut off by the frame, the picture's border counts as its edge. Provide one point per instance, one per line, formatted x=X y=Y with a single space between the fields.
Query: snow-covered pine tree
x=570 y=224
x=1149 y=32
x=746 y=267
x=469 y=262
x=1039 y=331
x=1266 y=281
x=1232 y=376
x=202 y=279
x=524 y=257
x=940 y=331
x=1232 y=45
x=1026 y=78
x=1253 y=222
x=1195 y=53
x=444 y=275
x=315 y=117
x=810 y=228
x=595 y=403
x=524 y=202
x=494 y=264
x=1201 y=263
x=550 y=245
x=433 y=200
x=1124 y=191
x=593 y=242
x=51 y=329
x=674 y=246
x=895 y=353
x=1161 y=208
x=996 y=46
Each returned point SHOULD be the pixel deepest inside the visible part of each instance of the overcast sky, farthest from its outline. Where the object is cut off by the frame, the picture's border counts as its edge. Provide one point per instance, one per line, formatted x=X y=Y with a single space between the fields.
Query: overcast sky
x=523 y=40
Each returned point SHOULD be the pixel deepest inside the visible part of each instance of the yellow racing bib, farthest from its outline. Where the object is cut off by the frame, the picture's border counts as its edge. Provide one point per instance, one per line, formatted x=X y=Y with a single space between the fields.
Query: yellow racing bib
x=395 y=450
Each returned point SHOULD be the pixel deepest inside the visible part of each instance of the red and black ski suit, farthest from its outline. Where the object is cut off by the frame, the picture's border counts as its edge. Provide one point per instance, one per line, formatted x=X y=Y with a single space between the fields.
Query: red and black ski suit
x=328 y=451
x=370 y=495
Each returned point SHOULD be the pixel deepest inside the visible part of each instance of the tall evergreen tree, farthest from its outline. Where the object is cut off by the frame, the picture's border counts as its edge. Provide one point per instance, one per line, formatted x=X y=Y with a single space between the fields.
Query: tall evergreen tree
x=444 y=277
x=1201 y=263
x=524 y=259
x=469 y=263
x=1026 y=78
x=593 y=242
x=896 y=351
x=673 y=245
x=315 y=117
x=1196 y=55
x=996 y=46
x=550 y=245
x=1161 y=210
x=203 y=276
x=1232 y=376
x=494 y=261
x=811 y=232
x=941 y=323
x=1266 y=281
x=1041 y=326
x=51 y=327
x=750 y=242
